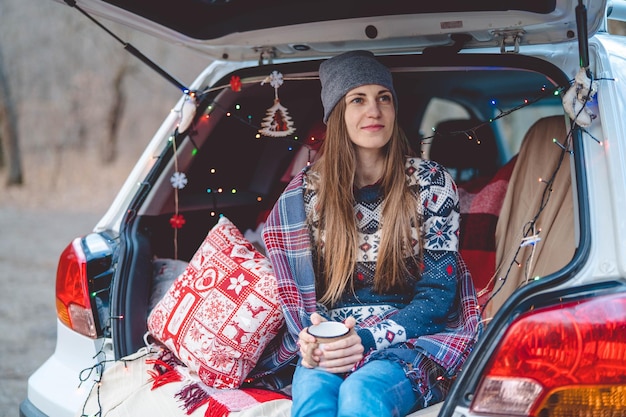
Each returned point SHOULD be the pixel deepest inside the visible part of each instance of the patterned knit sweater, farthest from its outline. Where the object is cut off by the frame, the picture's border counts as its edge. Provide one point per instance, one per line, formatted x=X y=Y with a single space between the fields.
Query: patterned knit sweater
x=424 y=304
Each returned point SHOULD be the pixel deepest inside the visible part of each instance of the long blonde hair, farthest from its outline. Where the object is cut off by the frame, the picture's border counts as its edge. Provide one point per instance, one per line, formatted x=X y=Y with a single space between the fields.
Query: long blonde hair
x=336 y=168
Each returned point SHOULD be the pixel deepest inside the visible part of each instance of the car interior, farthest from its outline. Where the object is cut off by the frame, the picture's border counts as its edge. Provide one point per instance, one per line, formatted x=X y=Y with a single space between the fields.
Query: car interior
x=470 y=113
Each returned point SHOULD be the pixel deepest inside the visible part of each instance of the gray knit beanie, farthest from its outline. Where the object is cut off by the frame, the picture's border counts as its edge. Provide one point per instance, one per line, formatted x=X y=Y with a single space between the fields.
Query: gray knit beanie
x=349 y=70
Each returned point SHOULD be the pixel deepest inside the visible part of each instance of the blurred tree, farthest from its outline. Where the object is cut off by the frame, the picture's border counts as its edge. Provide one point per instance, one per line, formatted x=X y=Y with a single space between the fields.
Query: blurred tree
x=83 y=107
x=9 y=144
x=116 y=112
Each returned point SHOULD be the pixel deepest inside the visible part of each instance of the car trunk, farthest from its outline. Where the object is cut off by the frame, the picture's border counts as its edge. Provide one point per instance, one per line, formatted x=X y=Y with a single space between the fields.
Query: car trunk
x=234 y=171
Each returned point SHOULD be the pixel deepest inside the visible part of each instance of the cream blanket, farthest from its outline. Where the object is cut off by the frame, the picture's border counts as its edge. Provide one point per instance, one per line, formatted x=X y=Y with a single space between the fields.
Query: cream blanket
x=126 y=391
x=538 y=158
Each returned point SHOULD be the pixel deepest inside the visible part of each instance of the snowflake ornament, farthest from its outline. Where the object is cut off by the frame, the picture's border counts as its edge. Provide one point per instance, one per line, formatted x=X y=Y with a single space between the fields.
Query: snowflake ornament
x=178 y=180
x=275 y=79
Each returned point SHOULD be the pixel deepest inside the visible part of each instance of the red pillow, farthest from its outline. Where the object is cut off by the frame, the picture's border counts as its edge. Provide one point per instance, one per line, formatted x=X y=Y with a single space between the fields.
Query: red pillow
x=221 y=312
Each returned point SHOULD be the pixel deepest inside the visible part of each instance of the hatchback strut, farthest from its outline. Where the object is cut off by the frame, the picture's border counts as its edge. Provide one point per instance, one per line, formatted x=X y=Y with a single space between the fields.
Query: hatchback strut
x=134 y=51
x=581 y=27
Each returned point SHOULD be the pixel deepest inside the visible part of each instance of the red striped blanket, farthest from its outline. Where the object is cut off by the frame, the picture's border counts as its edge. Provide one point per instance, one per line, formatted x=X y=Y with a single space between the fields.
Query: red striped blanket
x=481 y=201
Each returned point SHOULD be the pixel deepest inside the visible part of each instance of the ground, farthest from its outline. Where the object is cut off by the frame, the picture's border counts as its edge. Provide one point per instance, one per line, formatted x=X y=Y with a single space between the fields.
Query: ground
x=61 y=69
x=37 y=222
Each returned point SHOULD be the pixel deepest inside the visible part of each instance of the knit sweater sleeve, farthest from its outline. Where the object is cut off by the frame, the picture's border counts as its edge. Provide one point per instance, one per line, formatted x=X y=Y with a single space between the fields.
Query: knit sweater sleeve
x=435 y=290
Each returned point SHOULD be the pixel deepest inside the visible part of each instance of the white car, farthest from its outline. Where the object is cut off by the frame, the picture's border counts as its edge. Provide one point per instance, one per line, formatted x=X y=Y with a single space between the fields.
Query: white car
x=524 y=103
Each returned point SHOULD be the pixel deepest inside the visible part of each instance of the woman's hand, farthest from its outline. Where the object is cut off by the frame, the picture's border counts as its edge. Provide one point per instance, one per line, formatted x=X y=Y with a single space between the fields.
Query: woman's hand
x=334 y=357
x=308 y=343
x=341 y=356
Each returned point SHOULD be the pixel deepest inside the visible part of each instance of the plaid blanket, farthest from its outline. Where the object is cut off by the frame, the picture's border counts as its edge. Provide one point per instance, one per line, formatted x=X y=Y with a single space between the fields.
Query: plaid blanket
x=288 y=244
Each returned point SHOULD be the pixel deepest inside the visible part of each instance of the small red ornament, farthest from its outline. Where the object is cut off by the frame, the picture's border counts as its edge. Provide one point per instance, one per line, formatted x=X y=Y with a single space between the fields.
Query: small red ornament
x=177 y=221
x=235 y=83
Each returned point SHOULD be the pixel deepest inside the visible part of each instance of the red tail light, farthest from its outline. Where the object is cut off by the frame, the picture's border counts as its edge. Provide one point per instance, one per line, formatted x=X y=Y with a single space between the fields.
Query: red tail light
x=72 y=290
x=567 y=360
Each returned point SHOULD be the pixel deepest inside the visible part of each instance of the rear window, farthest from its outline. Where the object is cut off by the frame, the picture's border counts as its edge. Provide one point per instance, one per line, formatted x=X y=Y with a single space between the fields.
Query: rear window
x=233 y=165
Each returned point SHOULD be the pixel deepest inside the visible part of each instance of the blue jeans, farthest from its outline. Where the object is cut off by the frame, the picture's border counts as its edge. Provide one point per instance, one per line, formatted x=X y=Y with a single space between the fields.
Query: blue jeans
x=380 y=389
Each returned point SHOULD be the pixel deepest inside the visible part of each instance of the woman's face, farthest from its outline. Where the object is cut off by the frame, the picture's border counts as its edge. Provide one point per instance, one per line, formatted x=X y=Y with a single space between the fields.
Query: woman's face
x=369 y=116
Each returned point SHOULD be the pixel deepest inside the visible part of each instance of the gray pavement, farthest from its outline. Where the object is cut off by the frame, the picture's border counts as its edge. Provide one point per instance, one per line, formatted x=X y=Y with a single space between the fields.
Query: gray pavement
x=31 y=241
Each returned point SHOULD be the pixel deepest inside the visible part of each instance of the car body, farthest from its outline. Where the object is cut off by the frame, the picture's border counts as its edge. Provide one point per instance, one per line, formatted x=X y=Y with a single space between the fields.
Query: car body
x=559 y=337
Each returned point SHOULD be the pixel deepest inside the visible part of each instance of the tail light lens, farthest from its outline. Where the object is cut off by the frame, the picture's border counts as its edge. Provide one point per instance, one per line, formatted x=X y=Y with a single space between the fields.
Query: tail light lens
x=82 y=284
x=560 y=361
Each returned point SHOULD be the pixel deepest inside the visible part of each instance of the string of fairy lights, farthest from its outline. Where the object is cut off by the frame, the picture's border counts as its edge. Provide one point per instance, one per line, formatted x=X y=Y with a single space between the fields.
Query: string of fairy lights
x=585 y=90
x=531 y=232
x=278 y=125
x=470 y=133
x=582 y=89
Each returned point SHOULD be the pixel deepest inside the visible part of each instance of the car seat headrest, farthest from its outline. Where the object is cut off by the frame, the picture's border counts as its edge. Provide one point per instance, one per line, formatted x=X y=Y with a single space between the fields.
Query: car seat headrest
x=466 y=147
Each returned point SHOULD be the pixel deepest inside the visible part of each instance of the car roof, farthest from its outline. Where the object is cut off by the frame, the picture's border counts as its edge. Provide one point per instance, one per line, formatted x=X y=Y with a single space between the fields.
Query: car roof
x=244 y=30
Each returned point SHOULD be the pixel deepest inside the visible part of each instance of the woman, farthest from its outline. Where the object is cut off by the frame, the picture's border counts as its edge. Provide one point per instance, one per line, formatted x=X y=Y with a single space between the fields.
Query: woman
x=368 y=235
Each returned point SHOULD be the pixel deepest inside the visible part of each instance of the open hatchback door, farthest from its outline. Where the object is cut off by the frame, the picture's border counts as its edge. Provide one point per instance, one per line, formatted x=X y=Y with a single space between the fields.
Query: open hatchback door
x=244 y=30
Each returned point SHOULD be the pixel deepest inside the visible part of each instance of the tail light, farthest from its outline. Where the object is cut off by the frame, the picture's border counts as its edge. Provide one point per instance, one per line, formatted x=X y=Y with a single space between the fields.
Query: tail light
x=82 y=284
x=567 y=360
